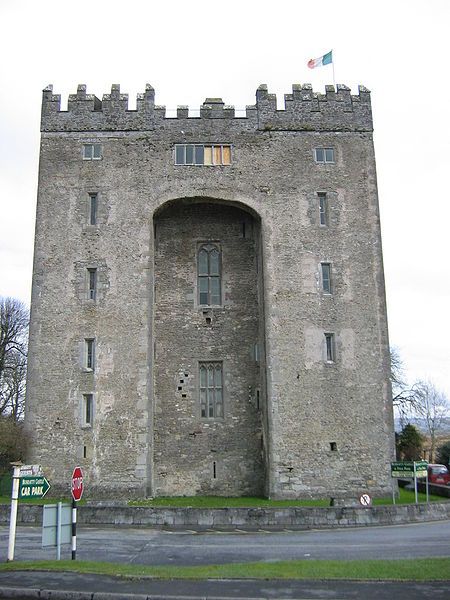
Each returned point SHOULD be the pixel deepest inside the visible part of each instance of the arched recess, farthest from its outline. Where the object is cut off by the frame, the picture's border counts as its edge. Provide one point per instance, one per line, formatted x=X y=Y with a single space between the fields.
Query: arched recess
x=208 y=371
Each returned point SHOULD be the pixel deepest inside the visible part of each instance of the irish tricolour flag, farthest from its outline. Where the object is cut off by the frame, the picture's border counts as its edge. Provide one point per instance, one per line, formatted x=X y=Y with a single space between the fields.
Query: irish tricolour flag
x=326 y=59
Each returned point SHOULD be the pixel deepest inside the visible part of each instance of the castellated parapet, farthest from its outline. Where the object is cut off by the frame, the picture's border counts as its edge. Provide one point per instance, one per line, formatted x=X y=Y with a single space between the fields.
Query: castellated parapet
x=305 y=110
x=208 y=308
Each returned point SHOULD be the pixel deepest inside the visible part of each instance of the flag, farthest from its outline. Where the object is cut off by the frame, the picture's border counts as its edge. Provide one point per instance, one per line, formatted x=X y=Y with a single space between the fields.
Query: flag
x=326 y=59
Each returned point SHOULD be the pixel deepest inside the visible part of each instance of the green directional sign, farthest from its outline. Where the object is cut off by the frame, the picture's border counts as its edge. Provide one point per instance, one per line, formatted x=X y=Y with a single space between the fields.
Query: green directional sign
x=406 y=469
x=33 y=487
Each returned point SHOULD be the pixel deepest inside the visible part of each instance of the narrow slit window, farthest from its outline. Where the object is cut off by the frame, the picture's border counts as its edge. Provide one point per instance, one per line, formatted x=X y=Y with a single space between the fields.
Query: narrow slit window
x=211 y=390
x=89 y=354
x=93 y=203
x=209 y=275
x=88 y=409
x=329 y=347
x=323 y=209
x=92 y=284
x=326 y=277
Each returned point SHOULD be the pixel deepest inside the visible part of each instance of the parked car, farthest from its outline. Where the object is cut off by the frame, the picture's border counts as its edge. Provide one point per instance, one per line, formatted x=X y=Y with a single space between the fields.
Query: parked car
x=438 y=474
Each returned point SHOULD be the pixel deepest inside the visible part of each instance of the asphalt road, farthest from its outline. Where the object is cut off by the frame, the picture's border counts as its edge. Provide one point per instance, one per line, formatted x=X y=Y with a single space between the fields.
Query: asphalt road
x=155 y=547
x=152 y=547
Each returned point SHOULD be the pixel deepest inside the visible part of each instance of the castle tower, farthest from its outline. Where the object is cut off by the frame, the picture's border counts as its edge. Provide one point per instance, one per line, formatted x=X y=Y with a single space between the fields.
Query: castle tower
x=208 y=306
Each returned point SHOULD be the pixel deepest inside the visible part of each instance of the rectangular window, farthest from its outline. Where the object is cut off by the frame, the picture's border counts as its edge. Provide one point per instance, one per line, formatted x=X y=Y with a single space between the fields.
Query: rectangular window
x=92 y=151
x=201 y=154
x=93 y=201
x=324 y=155
x=92 y=283
x=209 y=275
x=211 y=390
x=88 y=409
x=323 y=208
x=329 y=347
x=326 y=277
x=89 y=357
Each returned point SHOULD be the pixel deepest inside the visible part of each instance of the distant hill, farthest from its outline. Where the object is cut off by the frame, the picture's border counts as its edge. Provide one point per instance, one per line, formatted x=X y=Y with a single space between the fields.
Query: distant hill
x=422 y=426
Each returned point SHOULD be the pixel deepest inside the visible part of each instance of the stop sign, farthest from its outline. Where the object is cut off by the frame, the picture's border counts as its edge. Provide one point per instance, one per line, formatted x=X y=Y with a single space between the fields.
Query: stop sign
x=77 y=484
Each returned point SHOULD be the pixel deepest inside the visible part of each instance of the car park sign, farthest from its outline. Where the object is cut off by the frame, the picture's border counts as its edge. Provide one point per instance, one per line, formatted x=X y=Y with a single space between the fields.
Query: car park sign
x=33 y=487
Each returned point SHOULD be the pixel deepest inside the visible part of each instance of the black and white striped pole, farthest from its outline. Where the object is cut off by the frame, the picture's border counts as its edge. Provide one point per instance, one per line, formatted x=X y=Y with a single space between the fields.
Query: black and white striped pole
x=77 y=492
x=74 y=529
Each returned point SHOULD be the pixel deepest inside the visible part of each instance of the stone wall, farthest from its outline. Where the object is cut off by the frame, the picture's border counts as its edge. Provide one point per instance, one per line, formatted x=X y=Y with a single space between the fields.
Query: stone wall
x=251 y=518
x=221 y=455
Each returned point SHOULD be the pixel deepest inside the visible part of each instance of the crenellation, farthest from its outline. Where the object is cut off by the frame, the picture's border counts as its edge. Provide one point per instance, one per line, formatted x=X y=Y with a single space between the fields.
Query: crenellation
x=336 y=110
x=81 y=102
x=146 y=101
x=182 y=112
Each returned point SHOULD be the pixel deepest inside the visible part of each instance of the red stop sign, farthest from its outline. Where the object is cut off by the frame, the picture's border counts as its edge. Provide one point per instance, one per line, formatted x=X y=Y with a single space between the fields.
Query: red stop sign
x=77 y=484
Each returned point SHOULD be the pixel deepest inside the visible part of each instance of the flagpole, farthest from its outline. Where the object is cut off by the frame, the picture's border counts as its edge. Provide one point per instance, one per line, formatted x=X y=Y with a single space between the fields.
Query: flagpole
x=332 y=63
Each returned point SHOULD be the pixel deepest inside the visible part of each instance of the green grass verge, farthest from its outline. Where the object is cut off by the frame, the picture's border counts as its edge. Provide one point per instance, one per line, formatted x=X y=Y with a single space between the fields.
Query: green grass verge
x=424 y=569
x=405 y=497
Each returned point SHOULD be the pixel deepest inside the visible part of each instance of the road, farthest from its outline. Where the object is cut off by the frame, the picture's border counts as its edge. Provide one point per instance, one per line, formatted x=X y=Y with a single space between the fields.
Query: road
x=155 y=547
x=152 y=547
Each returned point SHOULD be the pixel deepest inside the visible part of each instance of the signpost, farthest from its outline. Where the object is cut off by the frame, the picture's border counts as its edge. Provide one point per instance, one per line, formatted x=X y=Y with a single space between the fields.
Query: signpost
x=77 y=492
x=56 y=526
x=30 y=470
x=365 y=500
x=408 y=468
x=77 y=484
x=28 y=482
x=414 y=469
x=33 y=487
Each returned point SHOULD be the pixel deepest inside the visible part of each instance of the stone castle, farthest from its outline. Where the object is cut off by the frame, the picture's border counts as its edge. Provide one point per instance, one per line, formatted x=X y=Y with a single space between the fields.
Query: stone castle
x=208 y=306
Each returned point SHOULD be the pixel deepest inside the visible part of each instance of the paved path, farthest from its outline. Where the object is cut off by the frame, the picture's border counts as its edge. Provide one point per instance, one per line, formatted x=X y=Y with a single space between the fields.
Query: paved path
x=62 y=586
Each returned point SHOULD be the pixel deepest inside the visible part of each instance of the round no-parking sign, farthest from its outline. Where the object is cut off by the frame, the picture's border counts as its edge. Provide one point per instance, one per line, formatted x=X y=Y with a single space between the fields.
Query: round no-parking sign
x=365 y=500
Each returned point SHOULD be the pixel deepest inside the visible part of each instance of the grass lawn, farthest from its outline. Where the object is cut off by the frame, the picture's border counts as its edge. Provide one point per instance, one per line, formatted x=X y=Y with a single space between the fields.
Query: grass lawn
x=424 y=569
x=406 y=497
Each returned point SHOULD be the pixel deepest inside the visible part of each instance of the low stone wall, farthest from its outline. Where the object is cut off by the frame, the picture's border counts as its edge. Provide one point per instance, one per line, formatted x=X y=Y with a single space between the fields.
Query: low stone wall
x=251 y=518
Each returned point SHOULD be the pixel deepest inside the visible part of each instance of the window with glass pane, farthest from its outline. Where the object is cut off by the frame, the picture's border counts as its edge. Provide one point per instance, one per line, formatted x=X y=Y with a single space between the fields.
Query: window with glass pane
x=92 y=283
x=324 y=155
x=92 y=151
x=201 y=154
x=323 y=209
x=209 y=279
x=326 y=277
x=329 y=155
x=329 y=347
x=89 y=356
x=211 y=390
x=88 y=402
x=93 y=209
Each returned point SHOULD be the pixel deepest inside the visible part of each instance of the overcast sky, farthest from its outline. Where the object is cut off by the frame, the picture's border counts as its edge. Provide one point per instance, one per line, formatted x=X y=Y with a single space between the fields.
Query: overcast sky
x=191 y=50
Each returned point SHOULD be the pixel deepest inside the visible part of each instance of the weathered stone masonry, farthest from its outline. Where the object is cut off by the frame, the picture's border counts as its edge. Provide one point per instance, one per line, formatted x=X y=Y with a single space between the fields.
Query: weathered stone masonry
x=298 y=339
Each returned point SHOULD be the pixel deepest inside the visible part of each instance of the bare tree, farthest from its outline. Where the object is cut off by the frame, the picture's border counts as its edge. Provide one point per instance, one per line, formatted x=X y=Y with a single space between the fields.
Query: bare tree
x=433 y=406
x=14 y=318
x=404 y=397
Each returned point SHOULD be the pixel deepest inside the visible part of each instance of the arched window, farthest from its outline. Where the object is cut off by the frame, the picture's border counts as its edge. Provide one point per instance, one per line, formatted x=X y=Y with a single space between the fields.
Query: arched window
x=209 y=275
